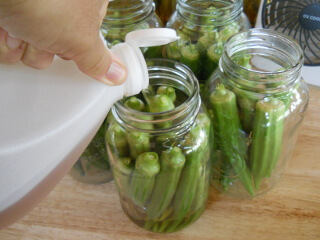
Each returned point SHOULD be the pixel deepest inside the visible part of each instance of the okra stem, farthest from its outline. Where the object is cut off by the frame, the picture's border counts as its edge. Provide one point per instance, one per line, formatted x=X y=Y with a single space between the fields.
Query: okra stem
x=228 y=133
x=213 y=53
x=172 y=162
x=190 y=56
x=117 y=138
x=266 y=138
x=122 y=171
x=173 y=50
x=190 y=173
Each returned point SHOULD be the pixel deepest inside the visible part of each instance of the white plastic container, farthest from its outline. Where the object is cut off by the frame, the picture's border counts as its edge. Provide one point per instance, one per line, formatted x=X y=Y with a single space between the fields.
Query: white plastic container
x=49 y=117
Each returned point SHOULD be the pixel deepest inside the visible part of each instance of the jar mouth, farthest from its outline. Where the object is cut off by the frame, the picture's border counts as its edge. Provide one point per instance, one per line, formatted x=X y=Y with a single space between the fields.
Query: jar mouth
x=274 y=57
x=209 y=12
x=170 y=73
x=122 y=10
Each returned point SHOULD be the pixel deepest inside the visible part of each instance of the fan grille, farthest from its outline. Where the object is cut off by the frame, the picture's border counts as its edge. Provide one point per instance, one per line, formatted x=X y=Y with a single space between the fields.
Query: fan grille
x=299 y=19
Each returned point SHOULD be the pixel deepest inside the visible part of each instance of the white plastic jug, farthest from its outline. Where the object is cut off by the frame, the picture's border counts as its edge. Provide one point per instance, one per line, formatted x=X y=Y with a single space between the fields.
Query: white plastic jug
x=48 y=117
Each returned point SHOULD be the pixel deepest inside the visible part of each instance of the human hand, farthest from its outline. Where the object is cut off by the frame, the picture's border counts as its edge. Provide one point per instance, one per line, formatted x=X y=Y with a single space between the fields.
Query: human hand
x=33 y=31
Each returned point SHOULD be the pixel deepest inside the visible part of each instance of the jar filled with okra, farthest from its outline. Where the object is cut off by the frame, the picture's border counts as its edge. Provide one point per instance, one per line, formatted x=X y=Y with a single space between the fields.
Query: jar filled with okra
x=124 y=16
x=159 y=145
x=257 y=102
x=203 y=27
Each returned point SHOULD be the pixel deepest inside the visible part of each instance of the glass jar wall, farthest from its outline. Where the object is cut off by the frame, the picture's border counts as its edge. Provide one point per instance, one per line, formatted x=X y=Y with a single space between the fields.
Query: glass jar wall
x=159 y=148
x=124 y=16
x=257 y=101
x=93 y=165
x=203 y=27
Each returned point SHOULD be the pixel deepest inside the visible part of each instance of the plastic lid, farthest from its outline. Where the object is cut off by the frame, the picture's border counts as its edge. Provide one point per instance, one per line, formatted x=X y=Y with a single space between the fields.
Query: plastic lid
x=129 y=52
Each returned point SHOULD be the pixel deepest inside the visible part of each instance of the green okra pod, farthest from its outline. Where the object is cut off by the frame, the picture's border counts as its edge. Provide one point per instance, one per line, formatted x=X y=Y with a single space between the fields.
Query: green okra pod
x=135 y=103
x=266 y=138
x=227 y=130
x=207 y=40
x=122 y=171
x=190 y=56
x=190 y=173
x=188 y=31
x=116 y=137
x=172 y=50
x=247 y=106
x=139 y=142
x=229 y=31
x=169 y=91
x=214 y=53
x=246 y=100
x=138 y=105
x=158 y=103
x=201 y=190
x=172 y=162
x=204 y=121
x=147 y=166
x=186 y=189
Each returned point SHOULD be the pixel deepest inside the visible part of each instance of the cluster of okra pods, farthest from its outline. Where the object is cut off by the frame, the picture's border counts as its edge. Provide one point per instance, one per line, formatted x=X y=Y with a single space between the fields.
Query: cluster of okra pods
x=248 y=132
x=162 y=179
x=200 y=46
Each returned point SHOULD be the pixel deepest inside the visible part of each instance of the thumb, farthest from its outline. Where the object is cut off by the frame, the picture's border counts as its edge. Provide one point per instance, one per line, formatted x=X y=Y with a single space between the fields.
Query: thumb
x=97 y=61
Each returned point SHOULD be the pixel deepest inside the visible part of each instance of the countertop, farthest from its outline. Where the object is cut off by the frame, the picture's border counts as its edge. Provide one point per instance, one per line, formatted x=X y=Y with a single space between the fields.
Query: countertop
x=75 y=210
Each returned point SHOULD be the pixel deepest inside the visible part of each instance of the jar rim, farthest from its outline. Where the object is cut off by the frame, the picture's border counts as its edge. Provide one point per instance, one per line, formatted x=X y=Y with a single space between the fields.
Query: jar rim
x=139 y=11
x=252 y=39
x=179 y=113
x=134 y=6
x=218 y=16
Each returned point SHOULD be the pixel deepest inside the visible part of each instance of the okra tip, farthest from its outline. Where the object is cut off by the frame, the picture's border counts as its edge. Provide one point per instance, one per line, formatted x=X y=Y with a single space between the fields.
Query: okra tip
x=173 y=157
x=221 y=94
x=148 y=163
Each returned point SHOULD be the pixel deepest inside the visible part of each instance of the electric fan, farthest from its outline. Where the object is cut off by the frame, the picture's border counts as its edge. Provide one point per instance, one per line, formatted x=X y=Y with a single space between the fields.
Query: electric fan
x=299 y=19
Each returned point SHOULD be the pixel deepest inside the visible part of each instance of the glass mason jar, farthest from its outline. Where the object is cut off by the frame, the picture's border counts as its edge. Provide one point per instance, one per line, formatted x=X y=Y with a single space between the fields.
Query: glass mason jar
x=124 y=16
x=203 y=27
x=159 y=148
x=93 y=166
x=257 y=102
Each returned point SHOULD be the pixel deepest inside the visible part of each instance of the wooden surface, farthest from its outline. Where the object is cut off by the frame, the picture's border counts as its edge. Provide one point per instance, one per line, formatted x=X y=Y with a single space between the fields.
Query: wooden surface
x=290 y=211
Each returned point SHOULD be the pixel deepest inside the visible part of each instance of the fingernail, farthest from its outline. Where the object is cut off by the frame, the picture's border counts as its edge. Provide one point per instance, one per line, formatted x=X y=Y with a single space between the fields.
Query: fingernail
x=13 y=43
x=115 y=74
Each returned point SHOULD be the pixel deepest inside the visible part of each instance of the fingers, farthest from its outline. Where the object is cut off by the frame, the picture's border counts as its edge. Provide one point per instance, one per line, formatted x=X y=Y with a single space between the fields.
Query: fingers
x=36 y=58
x=11 y=49
x=98 y=62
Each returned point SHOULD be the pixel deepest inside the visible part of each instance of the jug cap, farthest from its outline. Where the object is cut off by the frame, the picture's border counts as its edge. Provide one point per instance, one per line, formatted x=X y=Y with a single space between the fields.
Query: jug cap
x=129 y=52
